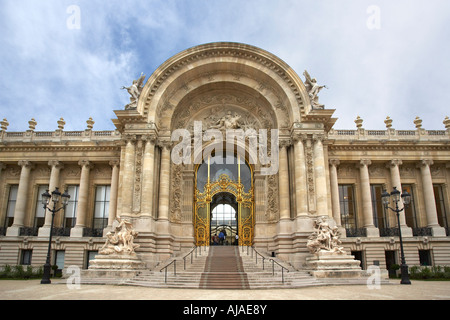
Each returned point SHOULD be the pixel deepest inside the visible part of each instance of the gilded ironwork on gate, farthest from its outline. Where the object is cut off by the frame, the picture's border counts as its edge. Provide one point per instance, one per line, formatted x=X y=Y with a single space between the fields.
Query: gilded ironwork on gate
x=245 y=209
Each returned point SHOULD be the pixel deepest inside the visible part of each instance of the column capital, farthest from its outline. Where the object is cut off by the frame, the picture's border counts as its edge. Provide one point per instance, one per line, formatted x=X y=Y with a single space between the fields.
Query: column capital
x=364 y=163
x=334 y=162
x=55 y=163
x=86 y=163
x=129 y=138
x=284 y=143
x=394 y=163
x=151 y=137
x=297 y=136
x=115 y=163
x=316 y=137
x=26 y=164
x=424 y=162
x=2 y=166
x=164 y=144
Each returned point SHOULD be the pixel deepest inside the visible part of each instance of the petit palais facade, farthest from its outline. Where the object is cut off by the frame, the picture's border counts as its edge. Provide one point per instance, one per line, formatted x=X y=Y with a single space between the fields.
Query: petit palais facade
x=337 y=175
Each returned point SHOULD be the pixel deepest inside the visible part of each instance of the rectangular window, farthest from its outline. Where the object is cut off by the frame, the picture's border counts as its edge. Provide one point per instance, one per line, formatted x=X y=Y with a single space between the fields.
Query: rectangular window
x=101 y=208
x=410 y=211
x=359 y=256
x=90 y=256
x=347 y=204
x=59 y=259
x=11 y=206
x=25 y=257
x=391 y=260
x=443 y=218
x=70 y=213
x=379 y=215
x=39 y=217
x=425 y=257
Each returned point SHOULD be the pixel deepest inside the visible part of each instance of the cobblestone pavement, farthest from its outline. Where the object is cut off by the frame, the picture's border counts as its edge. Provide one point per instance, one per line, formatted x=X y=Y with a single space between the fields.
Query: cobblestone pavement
x=33 y=290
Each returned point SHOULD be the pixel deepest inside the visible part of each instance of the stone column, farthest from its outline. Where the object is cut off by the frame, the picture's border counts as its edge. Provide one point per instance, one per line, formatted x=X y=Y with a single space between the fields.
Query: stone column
x=147 y=176
x=56 y=167
x=164 y=188
x=22 y=198
x=396 y=182
x=128 y=176
x=320 y=176
x=430 y=202
x=283 y=176
x=334 y=189
x=283 y=187
x=112 y=212
x=371 y=230
x=83 y=196
x=301 y=191
x=336 y=209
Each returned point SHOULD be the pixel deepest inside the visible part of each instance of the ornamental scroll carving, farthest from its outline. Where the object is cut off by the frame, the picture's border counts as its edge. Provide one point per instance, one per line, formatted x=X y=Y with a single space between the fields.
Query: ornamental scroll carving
x=324 y=238
x=176 y=192
x=271 y=214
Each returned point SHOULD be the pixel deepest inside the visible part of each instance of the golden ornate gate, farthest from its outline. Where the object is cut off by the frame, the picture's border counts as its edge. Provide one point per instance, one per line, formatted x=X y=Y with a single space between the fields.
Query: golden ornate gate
x=202 y=214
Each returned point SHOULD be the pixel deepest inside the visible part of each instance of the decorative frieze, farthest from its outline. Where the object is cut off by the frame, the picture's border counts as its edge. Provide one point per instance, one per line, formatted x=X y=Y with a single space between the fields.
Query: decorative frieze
x=176 y=193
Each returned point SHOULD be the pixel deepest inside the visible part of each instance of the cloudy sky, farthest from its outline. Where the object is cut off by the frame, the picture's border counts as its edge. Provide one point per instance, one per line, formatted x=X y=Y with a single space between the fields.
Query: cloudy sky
x=69 y=59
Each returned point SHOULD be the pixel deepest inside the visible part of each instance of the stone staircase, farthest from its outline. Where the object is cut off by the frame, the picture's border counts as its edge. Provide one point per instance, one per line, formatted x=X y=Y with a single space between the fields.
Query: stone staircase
x=225 y=267
x=267 y=273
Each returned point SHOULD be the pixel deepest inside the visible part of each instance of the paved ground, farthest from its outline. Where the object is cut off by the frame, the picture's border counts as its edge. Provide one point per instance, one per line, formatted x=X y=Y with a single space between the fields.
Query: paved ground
x=33 y=290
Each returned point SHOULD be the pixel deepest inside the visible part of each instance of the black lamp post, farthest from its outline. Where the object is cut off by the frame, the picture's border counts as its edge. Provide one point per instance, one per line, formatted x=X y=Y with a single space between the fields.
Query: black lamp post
x=55 y=197
x=406 y=198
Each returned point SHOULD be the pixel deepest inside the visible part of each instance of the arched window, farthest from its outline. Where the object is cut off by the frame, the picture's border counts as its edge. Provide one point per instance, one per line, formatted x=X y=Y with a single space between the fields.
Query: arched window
x=223 y=214
x=220 y=164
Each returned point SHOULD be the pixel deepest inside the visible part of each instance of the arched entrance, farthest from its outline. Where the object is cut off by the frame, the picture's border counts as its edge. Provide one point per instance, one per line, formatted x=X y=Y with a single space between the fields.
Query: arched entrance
x=223 y=180
x=224 y=218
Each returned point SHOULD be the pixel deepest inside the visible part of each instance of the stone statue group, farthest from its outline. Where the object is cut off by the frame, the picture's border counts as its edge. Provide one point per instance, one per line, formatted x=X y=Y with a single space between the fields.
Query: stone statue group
x=324 y=238
x=120 y=240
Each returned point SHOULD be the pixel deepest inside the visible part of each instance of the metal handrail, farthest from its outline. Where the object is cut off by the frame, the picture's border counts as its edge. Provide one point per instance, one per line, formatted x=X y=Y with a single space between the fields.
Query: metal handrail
x=256 y=257
x=191 y=253
x=273 y=263
x=166 y=267
x=174 y=262
x=282 y=269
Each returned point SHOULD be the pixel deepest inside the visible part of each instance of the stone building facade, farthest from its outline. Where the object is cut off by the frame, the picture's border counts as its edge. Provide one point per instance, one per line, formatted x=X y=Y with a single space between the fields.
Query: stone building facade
x=130 y=172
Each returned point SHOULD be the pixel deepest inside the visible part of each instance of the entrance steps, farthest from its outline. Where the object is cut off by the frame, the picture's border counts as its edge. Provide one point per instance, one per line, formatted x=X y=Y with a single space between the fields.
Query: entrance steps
x=225 y=267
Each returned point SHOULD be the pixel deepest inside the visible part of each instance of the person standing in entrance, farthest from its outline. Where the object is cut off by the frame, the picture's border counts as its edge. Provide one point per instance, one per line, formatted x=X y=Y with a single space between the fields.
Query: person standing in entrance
x=221 y=238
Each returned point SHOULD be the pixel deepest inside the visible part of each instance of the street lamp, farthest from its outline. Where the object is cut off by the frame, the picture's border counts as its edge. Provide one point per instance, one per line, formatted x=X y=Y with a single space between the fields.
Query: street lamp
x=406 y=198
x=55 y=197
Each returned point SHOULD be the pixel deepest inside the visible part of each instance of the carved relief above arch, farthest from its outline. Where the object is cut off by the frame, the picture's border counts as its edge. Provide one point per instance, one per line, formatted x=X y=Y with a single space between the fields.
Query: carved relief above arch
x=248 y=110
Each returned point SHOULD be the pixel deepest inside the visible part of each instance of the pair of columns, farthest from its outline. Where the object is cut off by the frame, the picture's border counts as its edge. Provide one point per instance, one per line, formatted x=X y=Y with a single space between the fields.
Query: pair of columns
x=393 y=165
x=145 y=206
x=56 y=167
x=83 y=197
x=301 y=177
